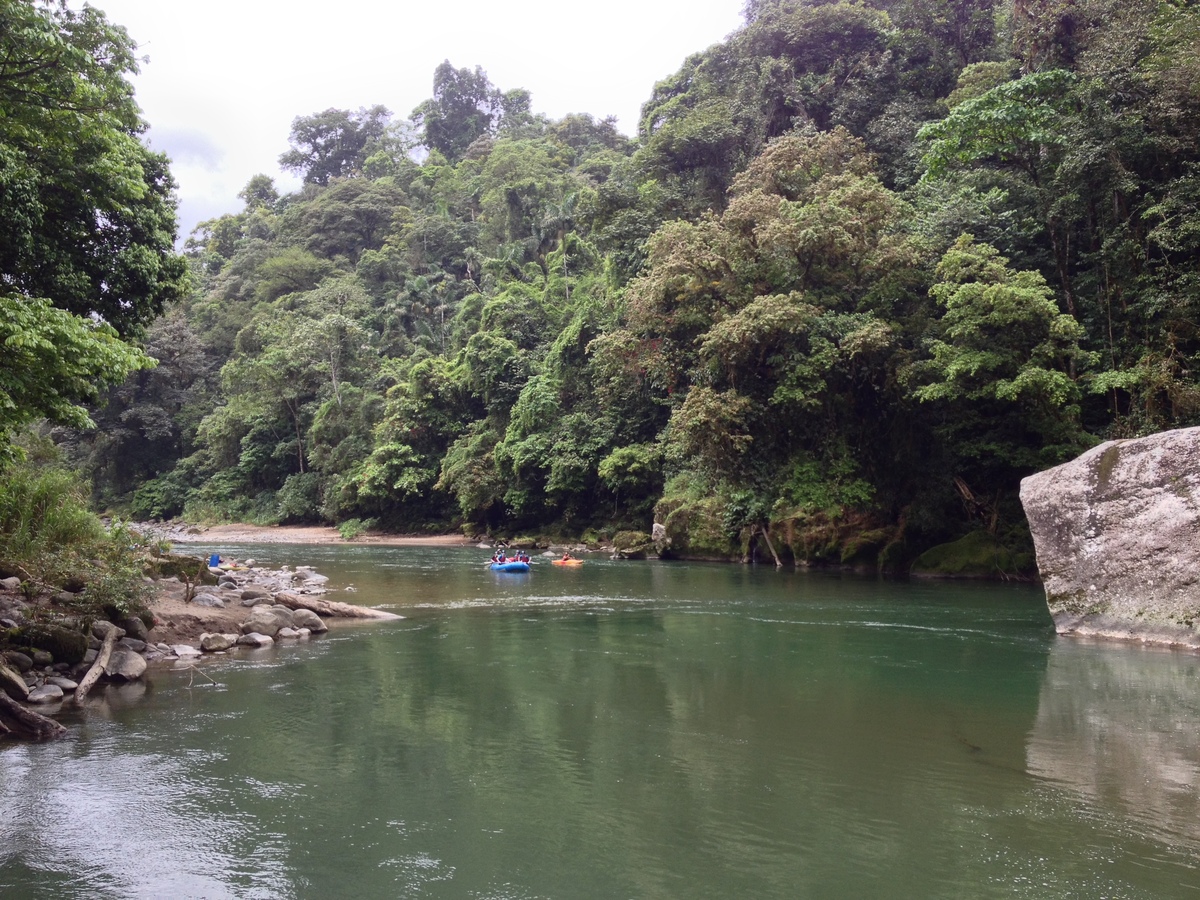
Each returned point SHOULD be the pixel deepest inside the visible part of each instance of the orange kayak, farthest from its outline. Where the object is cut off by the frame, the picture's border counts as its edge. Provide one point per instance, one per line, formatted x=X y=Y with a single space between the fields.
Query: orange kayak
x=566 y=562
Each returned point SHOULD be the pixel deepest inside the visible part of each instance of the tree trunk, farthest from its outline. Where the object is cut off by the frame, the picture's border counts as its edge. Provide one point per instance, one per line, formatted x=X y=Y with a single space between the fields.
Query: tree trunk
x=331 y=608
x=25 y=722
x=771 y=547
x=97 y=669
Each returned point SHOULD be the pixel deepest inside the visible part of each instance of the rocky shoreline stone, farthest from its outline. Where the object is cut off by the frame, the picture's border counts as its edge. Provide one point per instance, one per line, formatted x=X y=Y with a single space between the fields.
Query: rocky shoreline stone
x=1117 y=535
x=284 y=604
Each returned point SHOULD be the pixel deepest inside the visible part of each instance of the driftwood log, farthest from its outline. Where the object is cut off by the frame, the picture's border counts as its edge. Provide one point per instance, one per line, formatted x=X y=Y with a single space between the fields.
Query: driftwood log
x=331 y=608
x=98 y=666
x=16 y=719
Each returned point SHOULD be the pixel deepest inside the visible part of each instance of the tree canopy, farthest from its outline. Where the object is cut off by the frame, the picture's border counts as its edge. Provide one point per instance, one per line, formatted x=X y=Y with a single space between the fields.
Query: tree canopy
x=87 y=217
x=864 y=266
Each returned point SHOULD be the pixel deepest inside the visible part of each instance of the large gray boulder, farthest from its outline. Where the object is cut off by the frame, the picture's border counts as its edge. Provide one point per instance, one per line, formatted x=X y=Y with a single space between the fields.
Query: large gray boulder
x=212 y=643
x=306 y=618
x=125 y=665
x=268 y=620
x=1117 y=534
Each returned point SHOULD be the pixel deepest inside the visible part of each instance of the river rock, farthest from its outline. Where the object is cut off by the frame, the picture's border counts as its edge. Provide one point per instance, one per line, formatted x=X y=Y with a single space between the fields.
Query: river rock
x=254 y=639
x=65 y=683
x=18 y=660
x=101 y=628
x=185 y=651
x=11 y=584
x=134 y=627
x=125 y=665
x=1116 y=537
x=285 y=632
x=41 y=658
x=268 y=620
x=213 y=643
x=12 y=683
x=47 y=693
x=133 y=644
x=256 y=601
x=211 y=601
x=306 y=618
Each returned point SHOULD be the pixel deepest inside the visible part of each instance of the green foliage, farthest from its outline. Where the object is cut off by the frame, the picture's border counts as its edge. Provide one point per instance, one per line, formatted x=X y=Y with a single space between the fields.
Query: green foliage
x=334 y=143
x=353 y=528
x=44 y=517
x=299 y=498
x=823 y=488
x=977 y=554
x=47 y=532
x=865 y=265
x=464 y=107
x=1013 y=123
x=53 y=362
x=87 y=217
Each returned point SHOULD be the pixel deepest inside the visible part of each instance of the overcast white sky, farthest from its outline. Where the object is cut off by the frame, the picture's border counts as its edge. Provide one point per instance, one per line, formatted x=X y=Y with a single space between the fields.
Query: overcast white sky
x=225 y=78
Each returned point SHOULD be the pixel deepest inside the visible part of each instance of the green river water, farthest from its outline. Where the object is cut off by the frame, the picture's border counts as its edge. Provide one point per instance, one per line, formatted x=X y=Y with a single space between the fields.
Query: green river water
x=626 y=730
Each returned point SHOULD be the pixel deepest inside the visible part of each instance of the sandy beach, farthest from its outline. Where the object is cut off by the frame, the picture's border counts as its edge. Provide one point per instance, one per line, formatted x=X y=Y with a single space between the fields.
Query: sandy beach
x=304 y=534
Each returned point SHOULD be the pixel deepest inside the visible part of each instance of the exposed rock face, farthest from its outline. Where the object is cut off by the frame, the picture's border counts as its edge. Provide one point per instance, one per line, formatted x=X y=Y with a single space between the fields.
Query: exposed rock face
x=1117 y=533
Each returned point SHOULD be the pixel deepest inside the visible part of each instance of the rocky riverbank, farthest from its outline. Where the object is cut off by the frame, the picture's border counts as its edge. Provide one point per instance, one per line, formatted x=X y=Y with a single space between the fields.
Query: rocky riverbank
x=245 y=606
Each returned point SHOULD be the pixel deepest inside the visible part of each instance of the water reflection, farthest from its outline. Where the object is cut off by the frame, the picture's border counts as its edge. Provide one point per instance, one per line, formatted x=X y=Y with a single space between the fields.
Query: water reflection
x=1118 y=725
x=113 y=822
x=642 y=730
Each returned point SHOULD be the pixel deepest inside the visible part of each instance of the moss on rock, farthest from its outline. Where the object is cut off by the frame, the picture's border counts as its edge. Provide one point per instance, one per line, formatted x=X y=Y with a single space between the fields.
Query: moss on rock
x=976 y=555
x=64 y=644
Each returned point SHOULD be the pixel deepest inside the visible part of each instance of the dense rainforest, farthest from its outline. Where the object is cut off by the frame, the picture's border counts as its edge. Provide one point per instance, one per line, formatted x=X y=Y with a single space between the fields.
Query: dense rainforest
x=863 y=266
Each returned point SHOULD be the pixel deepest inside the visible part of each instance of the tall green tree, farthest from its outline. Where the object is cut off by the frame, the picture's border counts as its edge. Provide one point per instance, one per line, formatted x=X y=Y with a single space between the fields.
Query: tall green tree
x=335 y=143
x=87 y=218
x=465 y=105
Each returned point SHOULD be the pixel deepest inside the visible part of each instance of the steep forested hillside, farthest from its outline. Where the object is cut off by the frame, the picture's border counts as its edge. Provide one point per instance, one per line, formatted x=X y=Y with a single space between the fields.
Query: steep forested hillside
x=864 y=266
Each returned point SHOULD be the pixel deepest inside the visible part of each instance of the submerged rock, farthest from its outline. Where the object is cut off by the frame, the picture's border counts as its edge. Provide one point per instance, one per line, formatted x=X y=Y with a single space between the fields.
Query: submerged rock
x=253 y=639
x=1116 y=537
x=47 y=693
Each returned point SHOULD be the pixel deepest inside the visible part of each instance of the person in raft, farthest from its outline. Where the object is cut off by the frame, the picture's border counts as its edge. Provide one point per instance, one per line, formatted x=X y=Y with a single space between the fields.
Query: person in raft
x=566 y=555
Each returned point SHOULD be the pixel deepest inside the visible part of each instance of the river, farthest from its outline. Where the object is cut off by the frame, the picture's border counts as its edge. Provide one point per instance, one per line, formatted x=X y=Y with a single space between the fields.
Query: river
x=626 y=729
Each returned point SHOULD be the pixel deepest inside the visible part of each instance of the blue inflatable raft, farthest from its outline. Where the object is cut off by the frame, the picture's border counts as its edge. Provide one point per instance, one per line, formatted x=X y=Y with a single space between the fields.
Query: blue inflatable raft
x=511 y=566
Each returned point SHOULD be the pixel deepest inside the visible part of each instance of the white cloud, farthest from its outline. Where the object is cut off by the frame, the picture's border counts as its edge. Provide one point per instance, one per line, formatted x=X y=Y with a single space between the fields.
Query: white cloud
x=225 y=78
